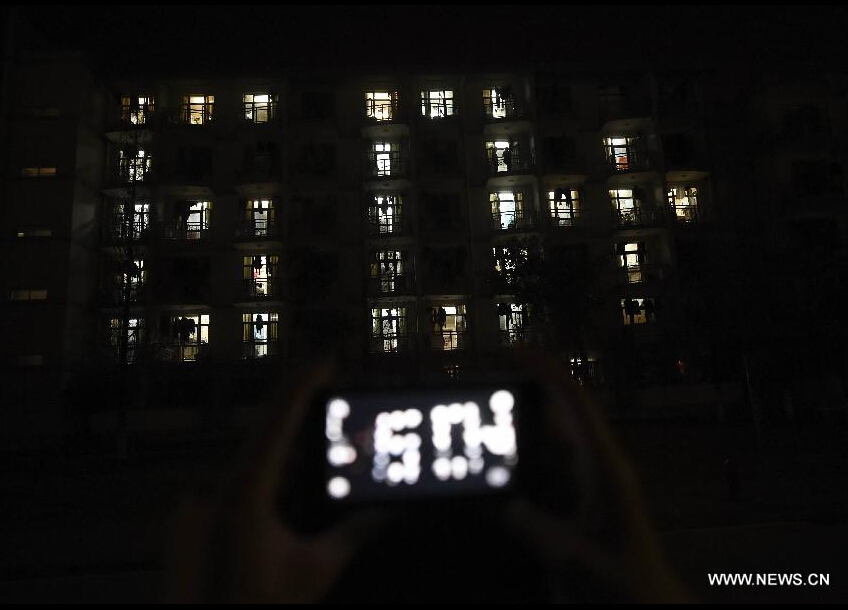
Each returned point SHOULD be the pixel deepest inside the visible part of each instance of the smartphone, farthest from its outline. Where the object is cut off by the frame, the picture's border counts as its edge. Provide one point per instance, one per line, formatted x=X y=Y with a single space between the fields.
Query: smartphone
x=408 y=445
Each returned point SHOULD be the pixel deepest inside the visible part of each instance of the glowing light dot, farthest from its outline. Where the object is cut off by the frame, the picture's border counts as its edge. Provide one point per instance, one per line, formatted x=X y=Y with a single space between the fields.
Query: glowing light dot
x=414 y=417
x=338 y=488
x=501 y=401
x=442 y=469
x=497 y=476
x=395 y=473
x=459 y=467
x=338 y=408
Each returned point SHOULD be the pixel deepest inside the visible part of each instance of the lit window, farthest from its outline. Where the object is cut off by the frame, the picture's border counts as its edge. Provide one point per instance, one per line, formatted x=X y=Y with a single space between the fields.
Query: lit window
x=190 y=333
x=622 y=152
x=132 y=226
x=387 y=270
x=388 y=329
x=448 y=322
x=437 y=104
x=134 y=167
x=259 y=107
x=630 y=259
x=134 y=336
x=136 y=110
x=28 y=294
x=507 y=258
x=38 y=172
x=513 y=320
x=260 y=333
x=627 y=205
x=128 y=281
x=508 y=210
x=498 y=103
x=385 y=214
x=381 y=105
x=504 y=156
x=258 y=273
x=191 y=220
x=638 y=311
x=259 y=217
x=564 y=205
x=385 y=159
x=684 y=201
x=197 y=109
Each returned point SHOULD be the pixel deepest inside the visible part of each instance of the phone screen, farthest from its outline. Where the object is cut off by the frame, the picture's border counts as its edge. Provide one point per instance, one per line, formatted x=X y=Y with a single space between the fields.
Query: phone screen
x=426 y=443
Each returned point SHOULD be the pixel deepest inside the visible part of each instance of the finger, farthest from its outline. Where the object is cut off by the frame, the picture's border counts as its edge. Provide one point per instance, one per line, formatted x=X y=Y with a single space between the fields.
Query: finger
x=275 y=451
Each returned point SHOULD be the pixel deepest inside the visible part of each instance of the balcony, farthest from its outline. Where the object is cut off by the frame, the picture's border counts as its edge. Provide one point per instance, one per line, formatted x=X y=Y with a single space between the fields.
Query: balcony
x=113 y=294
x=259 y=289
x=257 y=229
x=508 y=160
x=499 y=104
x=449 y=340
x=255 y=349
x=388 y=284
x=638 y=217
x=385 y=165
x=117 y=233
x=513 y=220
x=379 y=223
x=515 y=337
x=183 y=230
x=566 y=218
x=190 y=114
x=389 y=344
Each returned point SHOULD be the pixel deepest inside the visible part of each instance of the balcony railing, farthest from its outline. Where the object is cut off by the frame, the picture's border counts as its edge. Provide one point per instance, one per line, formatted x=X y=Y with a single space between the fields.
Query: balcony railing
x=513 y=220
x=258 y=112
x=116 y=232
x=178 y=230
x=260 y=288
x=502 y=107
x=567 y=218
x=135 y=117
x=260 y=349
x=389 y=344
x=390 y=283
x=190 y=114
x=510 y=160
x=384 y=225
x=132 y=170
x=633 y=161
x=257 y=228
x=382 y=110
x=385 y=164
x=521 y=336
x=449 y=340
x=638 y=217
x=686 y=214
x=113 y=294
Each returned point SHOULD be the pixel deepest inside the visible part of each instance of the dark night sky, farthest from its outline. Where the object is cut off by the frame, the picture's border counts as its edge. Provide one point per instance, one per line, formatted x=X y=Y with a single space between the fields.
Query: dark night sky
x=196 y=39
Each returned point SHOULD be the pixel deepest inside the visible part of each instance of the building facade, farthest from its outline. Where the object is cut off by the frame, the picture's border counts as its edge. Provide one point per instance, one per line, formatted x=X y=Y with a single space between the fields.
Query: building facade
x=185 y=242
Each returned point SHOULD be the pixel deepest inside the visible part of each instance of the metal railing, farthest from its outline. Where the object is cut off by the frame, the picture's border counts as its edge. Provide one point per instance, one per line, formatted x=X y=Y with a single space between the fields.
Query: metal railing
x=569 y=217
x=260 y=288
x=510 y=160
x=183 y=230
x=449 y=340
x=389 y=344
x=382 y=111
x=385 y=164
x=261 y=349
x=637 y=217
x=384 y=225
x=259 y=112
x=257 y=228
x=513 y=220
x=190 y=114
x=390 y=283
